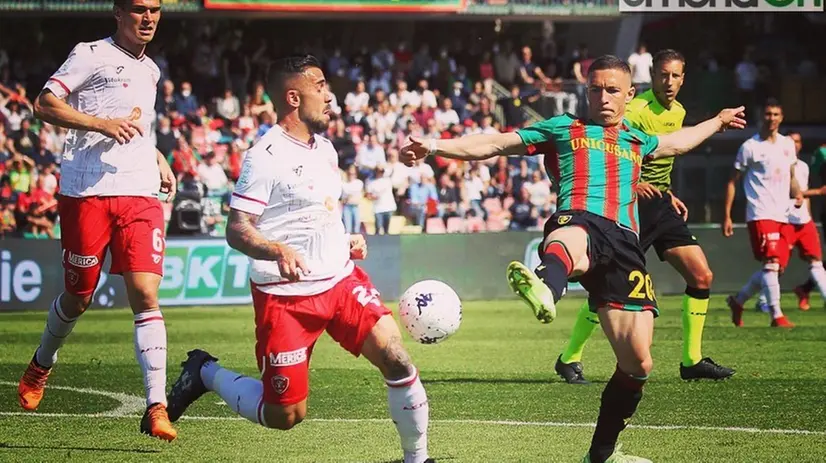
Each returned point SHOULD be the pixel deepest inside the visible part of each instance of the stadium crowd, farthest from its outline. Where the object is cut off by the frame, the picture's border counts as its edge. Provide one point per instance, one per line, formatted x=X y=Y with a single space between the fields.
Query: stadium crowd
x=212 y=105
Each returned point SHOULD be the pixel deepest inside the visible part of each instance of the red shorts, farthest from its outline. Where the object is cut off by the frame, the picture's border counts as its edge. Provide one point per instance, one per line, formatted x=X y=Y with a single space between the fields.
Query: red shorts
x=131 y=227
x=806 y=239
x=770 y=240
x=287 y=327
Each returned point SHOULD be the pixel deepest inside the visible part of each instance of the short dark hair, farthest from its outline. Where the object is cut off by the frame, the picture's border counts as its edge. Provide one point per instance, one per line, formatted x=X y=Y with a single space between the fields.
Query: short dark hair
x=667 y=55
x=122 y=4
x=283 y=69
x=772 y=102
x=606 y=62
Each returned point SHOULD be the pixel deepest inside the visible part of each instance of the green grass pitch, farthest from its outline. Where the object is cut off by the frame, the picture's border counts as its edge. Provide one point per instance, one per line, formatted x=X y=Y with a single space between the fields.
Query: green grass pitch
x=493 y=394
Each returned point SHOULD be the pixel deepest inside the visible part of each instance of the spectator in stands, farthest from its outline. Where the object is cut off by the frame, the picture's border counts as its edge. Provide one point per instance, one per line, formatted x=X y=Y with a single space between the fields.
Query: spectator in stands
x=380 y=191
x=260 y=102
x=500 y=175
x=485 y=110
x=212 y=176
x=458 y=100
x=641 y=63
x=475 y=189
x=166 y=138
x=379 y=80
x=165 y=105
x=184 y=161
x=42 y=157
x=446 y=116
x=403 y=97
x=19 y=169
x=356 y=102
x=450 y=197
x=236 y=70
x=506 y=63
x=582 y=62
x=26 y=142
x=486 y=71
x=185 y=102
x=531 y=77
x=228 y=106
x=399 y=174
x=522 y=214
x=513 y=106
x=14 y=114
x=423 y=196
x=8 y=223
x=352 y=193
x=369 y=156
x=41 y=211
x=47 y=179
x=563 y=101
x=539 y=193
x=422 y=64
x=746 y=74
x=384 y=122
x=428 y=98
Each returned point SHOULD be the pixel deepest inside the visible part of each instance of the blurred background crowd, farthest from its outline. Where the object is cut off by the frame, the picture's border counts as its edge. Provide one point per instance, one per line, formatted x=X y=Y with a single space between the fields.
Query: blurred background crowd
x=213 y=103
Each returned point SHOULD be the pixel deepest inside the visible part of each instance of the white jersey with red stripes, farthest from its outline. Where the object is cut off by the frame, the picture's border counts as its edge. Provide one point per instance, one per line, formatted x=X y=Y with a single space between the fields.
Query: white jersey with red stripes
x=766 y=168
x=801 y=215
x=102 y=79
x=295 y=188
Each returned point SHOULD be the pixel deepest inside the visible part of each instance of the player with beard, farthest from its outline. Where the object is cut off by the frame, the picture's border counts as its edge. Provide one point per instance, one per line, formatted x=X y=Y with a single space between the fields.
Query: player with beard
x=286 y=217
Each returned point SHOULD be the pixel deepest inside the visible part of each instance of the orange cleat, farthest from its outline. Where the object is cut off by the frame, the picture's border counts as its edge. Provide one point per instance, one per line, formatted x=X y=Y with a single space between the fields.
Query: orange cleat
x=155 y=422
x=782 y=322
x=736 y=311
x=32 y=384
x=802 y=299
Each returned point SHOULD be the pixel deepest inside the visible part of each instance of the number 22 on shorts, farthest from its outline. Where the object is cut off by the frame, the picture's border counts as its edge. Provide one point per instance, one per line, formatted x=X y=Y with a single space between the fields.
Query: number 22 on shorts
x=643 y=286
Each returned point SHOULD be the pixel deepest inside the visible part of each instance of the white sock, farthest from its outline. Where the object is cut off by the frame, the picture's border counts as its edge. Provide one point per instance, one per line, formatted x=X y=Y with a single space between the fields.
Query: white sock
x=819 y=275
x=58 y=327
x=771 y=288
x=150 y=350
x=751 y=287
x=244 y=395
x=410 y=412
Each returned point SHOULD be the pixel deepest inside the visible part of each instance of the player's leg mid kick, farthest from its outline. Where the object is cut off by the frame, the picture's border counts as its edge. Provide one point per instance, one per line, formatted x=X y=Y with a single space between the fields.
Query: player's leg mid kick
x=286 y=217
x=106 y=204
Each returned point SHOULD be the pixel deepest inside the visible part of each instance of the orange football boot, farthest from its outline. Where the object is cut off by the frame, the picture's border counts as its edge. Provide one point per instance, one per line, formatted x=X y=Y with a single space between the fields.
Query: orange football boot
x=155 y=422
x=32 y=384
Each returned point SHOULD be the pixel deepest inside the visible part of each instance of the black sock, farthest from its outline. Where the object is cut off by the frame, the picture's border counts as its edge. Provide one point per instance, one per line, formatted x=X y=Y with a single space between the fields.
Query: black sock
x=697 y=293
x=620 y=398
x=554 y=270
x=808 y=286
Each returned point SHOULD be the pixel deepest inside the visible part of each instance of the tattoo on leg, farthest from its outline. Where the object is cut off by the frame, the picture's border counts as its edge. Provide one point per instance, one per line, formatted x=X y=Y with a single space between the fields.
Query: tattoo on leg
x=396 y=361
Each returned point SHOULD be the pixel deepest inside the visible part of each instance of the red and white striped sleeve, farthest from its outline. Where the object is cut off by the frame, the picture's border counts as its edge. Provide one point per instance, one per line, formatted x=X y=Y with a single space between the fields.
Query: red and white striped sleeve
x=75 y=71
x=255 y=184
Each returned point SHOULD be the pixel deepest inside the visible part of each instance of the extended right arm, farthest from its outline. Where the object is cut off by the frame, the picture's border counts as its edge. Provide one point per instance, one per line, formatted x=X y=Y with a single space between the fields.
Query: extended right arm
x=469 y=147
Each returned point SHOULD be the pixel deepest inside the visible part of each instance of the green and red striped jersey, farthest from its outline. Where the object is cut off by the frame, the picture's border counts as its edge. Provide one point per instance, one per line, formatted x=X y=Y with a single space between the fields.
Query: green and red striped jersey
x=596 y=168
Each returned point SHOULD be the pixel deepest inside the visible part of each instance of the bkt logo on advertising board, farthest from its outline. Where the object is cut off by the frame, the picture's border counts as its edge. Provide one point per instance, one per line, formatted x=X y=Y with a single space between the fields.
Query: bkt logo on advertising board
x=204 y=272
x=711 y=6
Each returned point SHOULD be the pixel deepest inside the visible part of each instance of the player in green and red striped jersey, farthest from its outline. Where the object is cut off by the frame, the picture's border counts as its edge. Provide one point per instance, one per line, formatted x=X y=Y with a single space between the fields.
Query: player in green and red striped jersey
x=593 y=235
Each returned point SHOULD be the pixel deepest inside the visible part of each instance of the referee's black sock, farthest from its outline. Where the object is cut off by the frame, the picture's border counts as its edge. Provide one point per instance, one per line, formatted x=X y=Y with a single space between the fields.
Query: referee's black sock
x=809 y=286
x=620 y=398
x=555 y=268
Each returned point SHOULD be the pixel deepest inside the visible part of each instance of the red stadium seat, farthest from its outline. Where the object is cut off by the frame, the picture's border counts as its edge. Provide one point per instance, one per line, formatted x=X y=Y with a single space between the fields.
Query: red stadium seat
x=507 y=203
x=435 y=225
x=475 y=225
x=492 y=205
x=455 y=225
x=496 y=224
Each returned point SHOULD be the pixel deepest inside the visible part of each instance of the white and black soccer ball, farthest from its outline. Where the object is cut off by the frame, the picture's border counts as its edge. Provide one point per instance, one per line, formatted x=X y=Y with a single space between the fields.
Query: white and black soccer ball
x=430 y=311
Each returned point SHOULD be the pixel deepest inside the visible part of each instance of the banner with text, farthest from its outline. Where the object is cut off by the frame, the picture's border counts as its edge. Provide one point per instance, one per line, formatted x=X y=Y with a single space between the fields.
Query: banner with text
x=341 y=6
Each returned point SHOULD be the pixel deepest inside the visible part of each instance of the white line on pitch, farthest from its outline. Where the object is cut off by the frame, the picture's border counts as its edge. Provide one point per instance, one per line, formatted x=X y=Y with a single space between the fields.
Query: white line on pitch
x=551 y=424
x=130 y=405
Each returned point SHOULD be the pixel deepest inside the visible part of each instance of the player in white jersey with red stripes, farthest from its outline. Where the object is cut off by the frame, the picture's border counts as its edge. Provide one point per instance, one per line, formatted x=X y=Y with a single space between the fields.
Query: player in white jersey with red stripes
x=286 y=217
x=765 y=162
x=111 y=175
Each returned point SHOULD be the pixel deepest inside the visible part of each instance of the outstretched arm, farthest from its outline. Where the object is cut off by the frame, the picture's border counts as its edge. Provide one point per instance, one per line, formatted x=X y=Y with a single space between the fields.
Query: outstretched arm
x=467 y=148
x=243 y=236
x=683 y=141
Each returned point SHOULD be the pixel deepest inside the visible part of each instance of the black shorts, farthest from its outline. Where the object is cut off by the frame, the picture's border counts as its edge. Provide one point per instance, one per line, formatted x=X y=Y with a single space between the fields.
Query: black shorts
x=662 y=227
x=616 y=276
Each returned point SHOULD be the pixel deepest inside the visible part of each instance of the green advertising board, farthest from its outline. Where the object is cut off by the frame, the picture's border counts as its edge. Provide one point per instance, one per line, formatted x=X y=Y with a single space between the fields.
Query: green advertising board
x=356 y=6
x=204 y=272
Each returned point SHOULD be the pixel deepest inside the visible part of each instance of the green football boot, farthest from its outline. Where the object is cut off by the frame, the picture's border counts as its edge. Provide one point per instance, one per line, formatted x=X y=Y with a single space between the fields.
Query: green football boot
x=525 y=284
x=619 y=457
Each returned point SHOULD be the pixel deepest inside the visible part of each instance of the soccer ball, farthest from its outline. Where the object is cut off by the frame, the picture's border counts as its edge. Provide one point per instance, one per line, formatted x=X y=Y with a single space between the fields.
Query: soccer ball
x=430 y=311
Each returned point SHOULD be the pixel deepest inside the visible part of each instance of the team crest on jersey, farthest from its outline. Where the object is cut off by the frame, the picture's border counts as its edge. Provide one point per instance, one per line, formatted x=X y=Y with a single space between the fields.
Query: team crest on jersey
x=563 y=219
x=298 y=170
x=280 y=384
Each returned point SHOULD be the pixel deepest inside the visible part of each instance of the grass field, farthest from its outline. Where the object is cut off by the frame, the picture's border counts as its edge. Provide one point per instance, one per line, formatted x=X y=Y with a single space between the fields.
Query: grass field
x=493 y=394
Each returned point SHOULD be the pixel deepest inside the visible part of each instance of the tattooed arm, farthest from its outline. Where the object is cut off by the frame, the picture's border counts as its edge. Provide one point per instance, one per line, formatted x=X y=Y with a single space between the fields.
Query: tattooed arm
x=243 y=236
